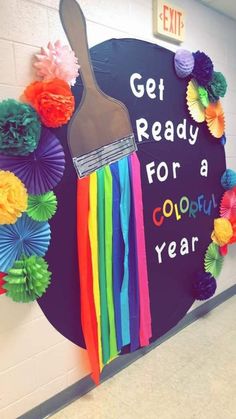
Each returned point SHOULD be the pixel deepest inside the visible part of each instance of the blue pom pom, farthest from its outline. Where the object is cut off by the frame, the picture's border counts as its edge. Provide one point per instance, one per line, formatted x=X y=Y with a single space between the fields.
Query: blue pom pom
x=228 y=179
x=203 y=68
x=223 y=140
x=204 y=286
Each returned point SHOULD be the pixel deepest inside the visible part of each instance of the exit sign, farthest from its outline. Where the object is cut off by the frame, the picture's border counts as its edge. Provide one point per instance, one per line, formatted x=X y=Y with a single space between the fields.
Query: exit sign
x=168 y=21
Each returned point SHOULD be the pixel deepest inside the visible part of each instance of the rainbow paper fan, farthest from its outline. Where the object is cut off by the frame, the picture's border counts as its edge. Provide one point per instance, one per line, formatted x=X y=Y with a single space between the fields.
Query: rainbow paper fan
x=228 y=205
x=213 y=260
x=195 y=106
x=215 y=119
x=26 y=237
x=43 y=169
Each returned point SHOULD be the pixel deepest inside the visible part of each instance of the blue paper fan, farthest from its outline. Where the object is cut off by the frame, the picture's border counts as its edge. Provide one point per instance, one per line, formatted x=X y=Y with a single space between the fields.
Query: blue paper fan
x=26 y=237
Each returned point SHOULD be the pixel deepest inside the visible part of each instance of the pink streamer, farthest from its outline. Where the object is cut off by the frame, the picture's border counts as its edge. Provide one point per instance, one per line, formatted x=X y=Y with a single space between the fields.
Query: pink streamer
x=145 y=330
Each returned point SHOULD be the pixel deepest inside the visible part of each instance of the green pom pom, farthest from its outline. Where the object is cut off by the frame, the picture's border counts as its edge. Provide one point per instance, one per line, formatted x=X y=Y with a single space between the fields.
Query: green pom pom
x=203 y=96
x=217 y=87
x=42 y=207
x=20 y=128
x=28 y=279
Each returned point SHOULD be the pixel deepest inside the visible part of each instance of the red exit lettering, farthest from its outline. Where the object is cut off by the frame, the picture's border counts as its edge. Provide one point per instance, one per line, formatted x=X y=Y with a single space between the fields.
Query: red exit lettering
x=172 y=20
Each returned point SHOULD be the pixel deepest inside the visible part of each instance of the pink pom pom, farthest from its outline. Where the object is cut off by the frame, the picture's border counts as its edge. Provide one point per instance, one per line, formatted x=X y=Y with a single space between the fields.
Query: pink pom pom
x=57 y=61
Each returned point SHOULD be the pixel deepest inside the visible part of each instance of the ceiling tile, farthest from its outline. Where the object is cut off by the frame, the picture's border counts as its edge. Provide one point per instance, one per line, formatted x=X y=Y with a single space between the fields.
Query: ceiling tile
x=227 y=7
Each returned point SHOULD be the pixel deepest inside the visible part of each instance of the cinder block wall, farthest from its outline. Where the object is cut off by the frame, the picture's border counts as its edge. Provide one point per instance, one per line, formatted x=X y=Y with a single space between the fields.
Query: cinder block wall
x=36 y=362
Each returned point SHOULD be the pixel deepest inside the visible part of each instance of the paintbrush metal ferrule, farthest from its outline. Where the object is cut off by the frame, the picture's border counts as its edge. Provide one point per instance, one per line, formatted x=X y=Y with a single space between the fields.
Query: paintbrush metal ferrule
x=107 y=154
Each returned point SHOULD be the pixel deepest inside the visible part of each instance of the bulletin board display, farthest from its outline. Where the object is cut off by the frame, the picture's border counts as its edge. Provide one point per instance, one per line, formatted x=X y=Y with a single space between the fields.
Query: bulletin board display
x=181 y=165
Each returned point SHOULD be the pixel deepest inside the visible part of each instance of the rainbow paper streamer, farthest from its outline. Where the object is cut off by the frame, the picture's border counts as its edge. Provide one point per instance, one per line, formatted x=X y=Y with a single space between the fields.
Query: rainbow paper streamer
x=115 y=304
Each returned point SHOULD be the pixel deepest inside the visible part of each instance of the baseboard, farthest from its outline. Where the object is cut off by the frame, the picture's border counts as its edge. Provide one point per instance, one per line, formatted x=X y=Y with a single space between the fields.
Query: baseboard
x=83 y=386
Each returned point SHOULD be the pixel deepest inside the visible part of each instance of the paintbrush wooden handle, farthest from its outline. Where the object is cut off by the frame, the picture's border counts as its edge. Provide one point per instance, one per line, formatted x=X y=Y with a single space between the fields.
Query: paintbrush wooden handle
x=74 y=25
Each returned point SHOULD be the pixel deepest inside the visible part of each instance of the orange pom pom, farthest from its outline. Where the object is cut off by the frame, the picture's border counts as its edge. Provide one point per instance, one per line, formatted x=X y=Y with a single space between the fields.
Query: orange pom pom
x=53 y=100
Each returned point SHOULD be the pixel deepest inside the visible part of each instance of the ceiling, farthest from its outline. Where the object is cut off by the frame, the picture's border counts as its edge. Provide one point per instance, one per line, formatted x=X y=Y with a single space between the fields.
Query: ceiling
x=227 y=7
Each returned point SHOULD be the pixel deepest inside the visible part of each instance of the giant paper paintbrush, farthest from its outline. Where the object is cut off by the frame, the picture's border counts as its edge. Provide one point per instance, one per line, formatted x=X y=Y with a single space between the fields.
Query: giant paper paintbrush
x=100 y=131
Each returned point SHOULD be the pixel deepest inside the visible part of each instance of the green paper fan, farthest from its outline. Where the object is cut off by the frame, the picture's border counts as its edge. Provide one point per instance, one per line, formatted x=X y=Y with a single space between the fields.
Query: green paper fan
x=42 y=207
x=28 y=279
x=213 y=260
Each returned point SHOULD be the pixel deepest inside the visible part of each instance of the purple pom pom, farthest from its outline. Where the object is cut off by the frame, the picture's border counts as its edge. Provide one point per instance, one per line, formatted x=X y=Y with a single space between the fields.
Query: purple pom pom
x=204 y=286
x=203 y=68
x=184 y=63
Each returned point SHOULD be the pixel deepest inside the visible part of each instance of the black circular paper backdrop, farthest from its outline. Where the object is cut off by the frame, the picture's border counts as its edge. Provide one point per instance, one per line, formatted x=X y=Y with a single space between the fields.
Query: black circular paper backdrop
x=170 y=283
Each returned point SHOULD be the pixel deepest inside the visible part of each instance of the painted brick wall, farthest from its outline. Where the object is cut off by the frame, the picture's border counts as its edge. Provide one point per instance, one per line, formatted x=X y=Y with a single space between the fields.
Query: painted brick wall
x=36 y=362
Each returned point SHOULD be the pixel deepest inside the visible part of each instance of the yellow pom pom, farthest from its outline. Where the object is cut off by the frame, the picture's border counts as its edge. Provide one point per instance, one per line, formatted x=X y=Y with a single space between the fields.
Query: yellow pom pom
x=13 y=197
x=222 y=232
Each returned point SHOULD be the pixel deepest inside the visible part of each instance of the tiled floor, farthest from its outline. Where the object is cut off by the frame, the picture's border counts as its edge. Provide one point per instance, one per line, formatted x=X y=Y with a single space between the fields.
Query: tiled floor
x=190 y=376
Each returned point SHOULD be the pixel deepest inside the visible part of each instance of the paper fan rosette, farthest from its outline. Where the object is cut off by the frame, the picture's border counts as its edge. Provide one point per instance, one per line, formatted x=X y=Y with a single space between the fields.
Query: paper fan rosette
x=42 y=207
x=26 y=237
x=195 y=106
x=43 y=169
x=233 y=238
x=215 y=119
x=213 y=260
x=228 y=205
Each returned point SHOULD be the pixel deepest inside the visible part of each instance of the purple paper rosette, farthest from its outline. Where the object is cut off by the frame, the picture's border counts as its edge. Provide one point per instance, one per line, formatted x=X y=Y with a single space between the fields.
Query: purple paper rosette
x=43 y=169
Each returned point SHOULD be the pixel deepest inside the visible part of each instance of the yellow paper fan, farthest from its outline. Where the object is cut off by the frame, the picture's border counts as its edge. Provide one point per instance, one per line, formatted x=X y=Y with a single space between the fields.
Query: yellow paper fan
x=215 y=119
x=195 y=107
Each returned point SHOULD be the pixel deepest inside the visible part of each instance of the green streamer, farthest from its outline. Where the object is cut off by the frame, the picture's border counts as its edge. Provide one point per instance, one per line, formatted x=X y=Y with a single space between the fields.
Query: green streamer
x=102 y=268
x=108 y=259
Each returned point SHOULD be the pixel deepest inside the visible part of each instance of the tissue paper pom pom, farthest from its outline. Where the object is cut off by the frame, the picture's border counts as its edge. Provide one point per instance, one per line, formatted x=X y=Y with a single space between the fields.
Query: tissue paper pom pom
x=57 y=61
x=53 y=101
x=19 y=128
x=28 y=279
x=223 y=140
x=2 y=282
x=42 y=207
x=203 y=68
x=13 y=197
x=203 y=96
x=228 y=179
x=217 y=86
x=223 y=250
x=184 y=63
x=222 y=232
x=204 y=286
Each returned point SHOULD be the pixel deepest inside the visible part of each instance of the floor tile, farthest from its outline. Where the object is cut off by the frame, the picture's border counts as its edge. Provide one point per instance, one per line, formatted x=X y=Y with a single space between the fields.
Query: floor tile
x=190 y=376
